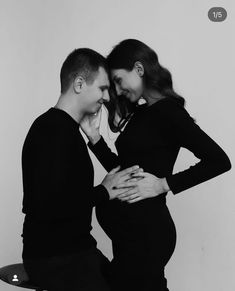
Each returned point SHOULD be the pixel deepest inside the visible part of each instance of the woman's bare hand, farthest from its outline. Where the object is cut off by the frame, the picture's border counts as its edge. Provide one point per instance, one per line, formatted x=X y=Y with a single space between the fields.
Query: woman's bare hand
x=144 y=186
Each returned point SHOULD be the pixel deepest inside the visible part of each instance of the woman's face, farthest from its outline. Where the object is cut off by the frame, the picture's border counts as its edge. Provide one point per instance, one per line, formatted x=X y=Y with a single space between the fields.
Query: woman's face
x=128 y=83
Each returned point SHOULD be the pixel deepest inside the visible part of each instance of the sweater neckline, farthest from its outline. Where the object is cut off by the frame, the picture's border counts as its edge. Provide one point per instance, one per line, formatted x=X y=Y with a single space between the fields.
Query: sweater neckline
x=62 y=112
x=145 y=106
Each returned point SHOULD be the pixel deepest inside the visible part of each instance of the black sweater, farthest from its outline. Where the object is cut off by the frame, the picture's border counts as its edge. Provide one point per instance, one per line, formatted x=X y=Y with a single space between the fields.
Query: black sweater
x=152 y=139
x=58 y=188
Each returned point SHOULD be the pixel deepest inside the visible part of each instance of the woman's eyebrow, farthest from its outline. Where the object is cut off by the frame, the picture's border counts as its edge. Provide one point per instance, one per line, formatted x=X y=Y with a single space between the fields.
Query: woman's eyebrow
x=116 y=78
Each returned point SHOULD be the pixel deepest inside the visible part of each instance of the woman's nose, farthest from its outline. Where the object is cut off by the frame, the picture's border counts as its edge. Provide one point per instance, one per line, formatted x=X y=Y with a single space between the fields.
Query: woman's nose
x=118 y=90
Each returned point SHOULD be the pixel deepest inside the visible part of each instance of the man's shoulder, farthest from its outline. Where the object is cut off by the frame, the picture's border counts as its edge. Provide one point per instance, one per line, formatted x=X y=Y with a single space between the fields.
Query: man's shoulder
x=47 y=125
x=52 y=119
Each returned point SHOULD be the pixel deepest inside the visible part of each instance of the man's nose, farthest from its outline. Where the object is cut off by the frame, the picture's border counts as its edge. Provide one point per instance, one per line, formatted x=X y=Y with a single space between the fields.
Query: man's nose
x=106 y=96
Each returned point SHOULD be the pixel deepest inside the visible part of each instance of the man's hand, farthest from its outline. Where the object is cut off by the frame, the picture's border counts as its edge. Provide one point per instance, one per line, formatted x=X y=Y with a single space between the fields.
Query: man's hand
x=90 y=125
x=115 y=177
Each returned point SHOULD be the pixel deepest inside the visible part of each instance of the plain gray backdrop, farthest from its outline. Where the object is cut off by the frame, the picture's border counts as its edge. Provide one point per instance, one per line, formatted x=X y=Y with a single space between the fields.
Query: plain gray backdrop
x=36 y=37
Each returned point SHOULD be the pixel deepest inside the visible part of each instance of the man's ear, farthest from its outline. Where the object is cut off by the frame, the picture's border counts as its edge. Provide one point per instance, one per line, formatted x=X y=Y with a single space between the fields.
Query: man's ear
x=78 y=84
x=139 y=68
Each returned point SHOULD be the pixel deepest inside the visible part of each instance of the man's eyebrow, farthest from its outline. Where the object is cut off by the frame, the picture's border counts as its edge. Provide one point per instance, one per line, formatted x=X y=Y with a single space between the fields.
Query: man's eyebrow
x=104 y=87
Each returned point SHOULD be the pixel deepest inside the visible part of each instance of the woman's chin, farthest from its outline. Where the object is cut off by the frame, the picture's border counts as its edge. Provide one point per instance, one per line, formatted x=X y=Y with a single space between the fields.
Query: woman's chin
x=132 y=98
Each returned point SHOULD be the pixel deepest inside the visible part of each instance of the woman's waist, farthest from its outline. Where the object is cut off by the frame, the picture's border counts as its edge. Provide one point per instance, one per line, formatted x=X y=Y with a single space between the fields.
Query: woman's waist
x=151 y=165
x=117 y=210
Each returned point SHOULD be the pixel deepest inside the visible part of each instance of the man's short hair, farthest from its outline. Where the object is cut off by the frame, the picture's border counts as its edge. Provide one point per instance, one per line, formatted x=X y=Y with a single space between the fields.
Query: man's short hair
x=84 y=62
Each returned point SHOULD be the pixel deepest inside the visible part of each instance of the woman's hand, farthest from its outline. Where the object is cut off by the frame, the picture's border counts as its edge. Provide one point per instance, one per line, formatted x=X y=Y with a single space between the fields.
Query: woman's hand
x=90 y=125
x=144 y=186
x=116 y=177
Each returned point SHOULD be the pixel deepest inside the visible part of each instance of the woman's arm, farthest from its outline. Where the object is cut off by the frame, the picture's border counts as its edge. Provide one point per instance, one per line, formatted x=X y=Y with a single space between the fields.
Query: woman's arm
x=90 y=126
x=107 y=158
x=187 y=134
x=181 y=130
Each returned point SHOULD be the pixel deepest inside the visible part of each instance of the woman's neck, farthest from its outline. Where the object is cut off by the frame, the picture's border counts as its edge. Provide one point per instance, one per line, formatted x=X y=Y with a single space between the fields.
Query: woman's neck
x=152 y=96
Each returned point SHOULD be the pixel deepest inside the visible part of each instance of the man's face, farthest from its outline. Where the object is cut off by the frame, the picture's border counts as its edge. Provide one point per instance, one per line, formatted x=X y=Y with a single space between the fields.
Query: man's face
x=96 y=93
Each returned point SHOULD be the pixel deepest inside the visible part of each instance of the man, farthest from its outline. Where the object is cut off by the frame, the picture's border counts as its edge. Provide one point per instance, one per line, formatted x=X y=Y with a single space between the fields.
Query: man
x=59 y=252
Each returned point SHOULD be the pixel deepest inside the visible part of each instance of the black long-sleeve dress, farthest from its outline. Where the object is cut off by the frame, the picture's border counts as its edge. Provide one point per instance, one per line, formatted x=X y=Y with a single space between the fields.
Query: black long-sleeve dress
x=143 y=233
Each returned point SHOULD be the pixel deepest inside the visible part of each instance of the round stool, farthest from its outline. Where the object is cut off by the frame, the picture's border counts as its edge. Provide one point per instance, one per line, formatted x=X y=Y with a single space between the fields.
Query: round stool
x=16 y=275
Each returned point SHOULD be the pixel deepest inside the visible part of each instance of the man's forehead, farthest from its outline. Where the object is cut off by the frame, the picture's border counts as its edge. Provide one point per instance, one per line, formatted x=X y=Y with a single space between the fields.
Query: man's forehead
x=102 y=71
x=102 y=76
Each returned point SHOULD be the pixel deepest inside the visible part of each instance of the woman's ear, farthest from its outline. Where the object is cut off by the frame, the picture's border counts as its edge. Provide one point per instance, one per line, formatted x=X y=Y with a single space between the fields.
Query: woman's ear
x=78 y=84
x=139 y=68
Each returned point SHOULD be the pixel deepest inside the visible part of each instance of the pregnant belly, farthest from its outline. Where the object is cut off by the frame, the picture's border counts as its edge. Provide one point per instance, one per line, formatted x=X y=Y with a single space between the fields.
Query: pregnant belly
x=123 y=221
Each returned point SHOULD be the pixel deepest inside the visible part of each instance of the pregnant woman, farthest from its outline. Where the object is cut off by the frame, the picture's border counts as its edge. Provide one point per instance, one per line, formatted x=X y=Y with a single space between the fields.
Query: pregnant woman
x=140 y=226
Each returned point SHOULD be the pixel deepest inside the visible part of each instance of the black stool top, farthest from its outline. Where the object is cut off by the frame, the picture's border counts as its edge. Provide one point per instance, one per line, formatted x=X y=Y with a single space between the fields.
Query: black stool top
x=15 y=274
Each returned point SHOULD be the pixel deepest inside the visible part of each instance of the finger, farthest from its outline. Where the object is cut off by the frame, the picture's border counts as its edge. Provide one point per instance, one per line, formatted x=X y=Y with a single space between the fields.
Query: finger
x=139 y=170
x=137 y=179
x=99 y=114
x=128 y=176
x=128 y=170
x=118 y=192
x=97 y=118
x=140 y=174
x=135 y=200
x=133 y=179
x=125 y=179
x=137 y=173
x=128 y=198
x=115 y=170
x=127 y=184
x=128 y=193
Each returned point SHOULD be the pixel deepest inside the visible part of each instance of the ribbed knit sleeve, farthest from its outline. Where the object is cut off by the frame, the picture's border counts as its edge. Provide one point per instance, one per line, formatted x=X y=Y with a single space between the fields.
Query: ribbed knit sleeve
x=107 y=158
x=183 y=131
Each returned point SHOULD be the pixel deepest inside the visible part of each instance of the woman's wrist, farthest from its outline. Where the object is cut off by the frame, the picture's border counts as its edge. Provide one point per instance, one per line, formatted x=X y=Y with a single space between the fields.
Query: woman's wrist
x=160 y=186
x=165 y=185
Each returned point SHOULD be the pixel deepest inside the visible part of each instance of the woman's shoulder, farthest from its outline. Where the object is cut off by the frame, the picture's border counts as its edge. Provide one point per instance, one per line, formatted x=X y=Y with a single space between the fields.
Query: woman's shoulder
x=166 y=105
x=169 y=110
x=171 y=103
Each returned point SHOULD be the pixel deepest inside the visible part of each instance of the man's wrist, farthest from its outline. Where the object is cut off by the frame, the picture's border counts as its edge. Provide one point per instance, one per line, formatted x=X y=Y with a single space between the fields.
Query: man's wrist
x=106 y=187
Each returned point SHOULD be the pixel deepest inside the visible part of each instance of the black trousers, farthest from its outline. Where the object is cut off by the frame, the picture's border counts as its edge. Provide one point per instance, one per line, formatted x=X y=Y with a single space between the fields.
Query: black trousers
x=84 y=271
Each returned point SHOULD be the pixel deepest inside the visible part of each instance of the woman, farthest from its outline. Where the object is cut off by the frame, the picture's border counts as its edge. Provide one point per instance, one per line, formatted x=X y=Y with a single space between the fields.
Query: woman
x=143 y=233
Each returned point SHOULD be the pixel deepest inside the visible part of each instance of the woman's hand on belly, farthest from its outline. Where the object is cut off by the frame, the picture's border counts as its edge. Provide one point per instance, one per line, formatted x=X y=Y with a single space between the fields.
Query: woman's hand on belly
x=145 y=187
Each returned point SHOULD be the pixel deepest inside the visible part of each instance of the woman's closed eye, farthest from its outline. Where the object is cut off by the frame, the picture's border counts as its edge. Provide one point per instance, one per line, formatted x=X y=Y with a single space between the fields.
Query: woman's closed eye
x=118 y=81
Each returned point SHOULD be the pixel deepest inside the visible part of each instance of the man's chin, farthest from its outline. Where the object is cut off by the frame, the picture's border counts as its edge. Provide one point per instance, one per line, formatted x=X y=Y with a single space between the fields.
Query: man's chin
x=95 y=109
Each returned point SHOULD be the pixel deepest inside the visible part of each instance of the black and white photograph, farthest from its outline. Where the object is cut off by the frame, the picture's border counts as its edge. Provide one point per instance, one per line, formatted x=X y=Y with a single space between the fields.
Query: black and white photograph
x=117 y=145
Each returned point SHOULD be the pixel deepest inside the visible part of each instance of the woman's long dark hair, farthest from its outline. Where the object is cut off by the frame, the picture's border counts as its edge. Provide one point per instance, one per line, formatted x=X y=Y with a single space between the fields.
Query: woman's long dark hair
x=123 y=56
